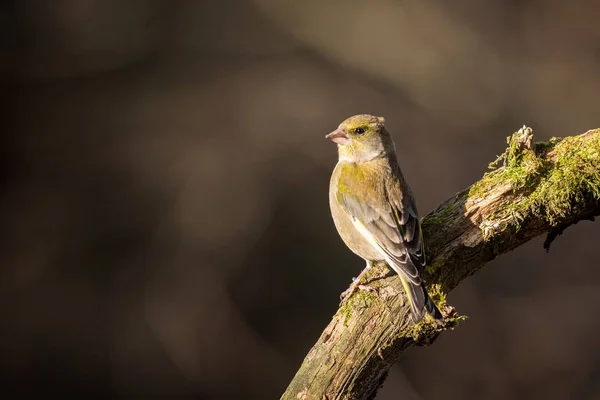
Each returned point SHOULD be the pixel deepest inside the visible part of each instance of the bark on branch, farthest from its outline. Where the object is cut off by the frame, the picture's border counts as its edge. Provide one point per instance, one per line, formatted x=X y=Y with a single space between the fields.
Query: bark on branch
x=539 y=188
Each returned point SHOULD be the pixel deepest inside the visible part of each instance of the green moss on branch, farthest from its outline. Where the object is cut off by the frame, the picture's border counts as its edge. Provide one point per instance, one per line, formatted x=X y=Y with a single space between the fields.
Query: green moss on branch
x=549 y=179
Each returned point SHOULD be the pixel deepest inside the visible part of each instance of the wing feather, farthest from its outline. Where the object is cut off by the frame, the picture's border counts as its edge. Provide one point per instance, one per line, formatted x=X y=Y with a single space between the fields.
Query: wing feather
x=390 y=223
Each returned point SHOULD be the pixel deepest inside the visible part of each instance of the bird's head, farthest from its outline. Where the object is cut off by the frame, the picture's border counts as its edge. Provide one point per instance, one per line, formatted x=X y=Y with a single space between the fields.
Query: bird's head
x=362 y=138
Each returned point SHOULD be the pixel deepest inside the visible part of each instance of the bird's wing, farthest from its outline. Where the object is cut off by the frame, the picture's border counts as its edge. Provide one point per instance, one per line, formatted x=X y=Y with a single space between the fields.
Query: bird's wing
x=388 y=219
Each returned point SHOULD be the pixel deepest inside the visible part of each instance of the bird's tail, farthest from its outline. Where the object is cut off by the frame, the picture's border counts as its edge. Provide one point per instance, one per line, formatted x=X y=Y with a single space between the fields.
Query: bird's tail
x=420 y=302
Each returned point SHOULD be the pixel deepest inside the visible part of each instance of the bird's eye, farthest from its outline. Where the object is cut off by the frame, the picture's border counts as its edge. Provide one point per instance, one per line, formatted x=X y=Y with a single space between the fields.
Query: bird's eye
x=359 y=131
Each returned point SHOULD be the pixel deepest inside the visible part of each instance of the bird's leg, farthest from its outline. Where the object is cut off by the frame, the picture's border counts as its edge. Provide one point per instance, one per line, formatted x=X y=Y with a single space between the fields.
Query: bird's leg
x=356 y=285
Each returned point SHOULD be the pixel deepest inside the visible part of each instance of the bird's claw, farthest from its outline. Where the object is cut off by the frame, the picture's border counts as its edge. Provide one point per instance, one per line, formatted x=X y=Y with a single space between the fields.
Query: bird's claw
x=366 y=288
x=355 y=287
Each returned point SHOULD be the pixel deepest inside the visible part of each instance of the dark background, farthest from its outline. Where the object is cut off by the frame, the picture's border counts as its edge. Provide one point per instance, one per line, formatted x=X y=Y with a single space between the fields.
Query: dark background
x=166 y=226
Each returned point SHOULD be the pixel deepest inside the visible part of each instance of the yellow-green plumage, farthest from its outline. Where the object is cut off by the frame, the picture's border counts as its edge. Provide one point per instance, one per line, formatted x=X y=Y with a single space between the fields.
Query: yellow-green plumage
x=373 y=208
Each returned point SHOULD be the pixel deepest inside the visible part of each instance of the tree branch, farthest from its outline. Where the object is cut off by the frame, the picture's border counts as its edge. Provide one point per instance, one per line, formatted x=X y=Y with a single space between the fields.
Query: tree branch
x=540 y=188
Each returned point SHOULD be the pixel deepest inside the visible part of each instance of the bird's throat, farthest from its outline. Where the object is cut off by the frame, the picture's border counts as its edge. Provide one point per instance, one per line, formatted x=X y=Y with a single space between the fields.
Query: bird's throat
x=349 y=154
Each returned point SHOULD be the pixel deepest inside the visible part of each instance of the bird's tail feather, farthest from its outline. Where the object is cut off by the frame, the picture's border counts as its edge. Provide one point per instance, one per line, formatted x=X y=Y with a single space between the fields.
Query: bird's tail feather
x=420 y=302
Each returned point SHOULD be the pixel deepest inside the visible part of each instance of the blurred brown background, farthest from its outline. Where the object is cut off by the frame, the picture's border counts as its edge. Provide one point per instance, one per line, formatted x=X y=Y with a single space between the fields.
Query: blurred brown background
x=166 y=226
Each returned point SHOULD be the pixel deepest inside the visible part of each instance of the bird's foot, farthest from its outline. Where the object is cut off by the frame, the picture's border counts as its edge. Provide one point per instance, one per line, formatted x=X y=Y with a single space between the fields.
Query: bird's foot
x=353 y=289
x=356 y=286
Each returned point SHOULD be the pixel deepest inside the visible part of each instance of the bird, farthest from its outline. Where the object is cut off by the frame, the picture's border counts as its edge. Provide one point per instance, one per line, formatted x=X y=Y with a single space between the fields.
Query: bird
x=374 y=210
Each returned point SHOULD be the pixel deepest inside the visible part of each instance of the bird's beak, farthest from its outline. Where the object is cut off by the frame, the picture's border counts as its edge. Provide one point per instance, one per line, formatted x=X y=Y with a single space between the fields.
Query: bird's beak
x=338 y=136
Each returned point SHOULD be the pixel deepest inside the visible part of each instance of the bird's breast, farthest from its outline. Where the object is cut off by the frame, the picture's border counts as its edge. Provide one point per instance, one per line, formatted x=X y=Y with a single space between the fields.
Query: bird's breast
x=353 y=239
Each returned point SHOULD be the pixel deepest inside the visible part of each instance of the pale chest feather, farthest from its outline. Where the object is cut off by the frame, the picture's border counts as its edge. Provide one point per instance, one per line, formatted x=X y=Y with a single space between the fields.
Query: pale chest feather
x=351 y=178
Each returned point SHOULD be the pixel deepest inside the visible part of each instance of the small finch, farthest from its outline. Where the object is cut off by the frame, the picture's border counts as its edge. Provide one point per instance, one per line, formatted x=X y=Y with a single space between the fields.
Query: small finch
x=373 y=207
